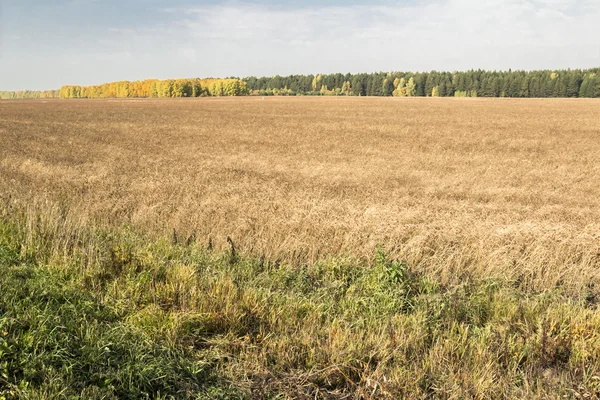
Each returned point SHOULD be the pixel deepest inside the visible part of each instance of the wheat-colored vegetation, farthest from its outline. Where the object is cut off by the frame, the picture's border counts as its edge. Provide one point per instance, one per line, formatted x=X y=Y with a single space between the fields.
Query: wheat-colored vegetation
x=378 y=248
x=502 y=188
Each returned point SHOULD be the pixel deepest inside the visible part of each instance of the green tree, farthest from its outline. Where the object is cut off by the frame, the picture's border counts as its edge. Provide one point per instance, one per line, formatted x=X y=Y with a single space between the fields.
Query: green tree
x=388 y=87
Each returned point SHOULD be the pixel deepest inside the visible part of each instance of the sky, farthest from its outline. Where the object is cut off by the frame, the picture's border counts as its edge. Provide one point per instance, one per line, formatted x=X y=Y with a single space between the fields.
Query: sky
x=45 y=44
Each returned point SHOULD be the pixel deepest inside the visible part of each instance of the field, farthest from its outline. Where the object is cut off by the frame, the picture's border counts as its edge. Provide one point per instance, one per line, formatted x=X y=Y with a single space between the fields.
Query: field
x=300 y=248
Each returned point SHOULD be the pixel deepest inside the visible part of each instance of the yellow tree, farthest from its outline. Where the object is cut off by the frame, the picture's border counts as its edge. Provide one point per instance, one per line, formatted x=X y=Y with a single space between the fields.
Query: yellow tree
x=315 y=82
x=346 y=88
x=411 y=87
x=400 y=89
x=323 y=90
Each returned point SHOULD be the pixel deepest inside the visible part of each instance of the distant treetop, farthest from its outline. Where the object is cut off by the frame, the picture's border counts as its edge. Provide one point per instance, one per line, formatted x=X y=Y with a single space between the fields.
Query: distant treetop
x=474 y=83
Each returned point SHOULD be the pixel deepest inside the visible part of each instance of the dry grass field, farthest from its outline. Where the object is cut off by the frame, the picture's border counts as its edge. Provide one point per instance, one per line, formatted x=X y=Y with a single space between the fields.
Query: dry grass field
x=501 y=187
x=486 y=214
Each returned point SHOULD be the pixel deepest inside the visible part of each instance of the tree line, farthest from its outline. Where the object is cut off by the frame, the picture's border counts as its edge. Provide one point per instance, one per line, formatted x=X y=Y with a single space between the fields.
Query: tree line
x=473 y=83
x=28 y=94
x=169 y=88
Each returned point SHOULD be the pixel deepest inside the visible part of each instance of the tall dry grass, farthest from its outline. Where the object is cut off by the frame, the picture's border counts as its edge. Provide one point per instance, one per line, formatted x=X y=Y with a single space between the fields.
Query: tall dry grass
x=454 y=188
x=167 y=320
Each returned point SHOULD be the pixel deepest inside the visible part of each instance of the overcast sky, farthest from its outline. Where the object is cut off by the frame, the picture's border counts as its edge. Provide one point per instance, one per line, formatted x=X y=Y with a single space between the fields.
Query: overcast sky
x=48 y=43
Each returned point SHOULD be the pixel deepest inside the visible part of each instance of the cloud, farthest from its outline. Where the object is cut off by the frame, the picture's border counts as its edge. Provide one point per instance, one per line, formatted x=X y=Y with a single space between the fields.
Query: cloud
x=242 y=39
x=448 y=34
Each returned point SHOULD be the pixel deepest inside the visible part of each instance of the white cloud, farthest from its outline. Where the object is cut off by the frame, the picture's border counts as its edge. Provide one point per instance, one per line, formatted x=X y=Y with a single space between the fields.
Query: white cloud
x=250 y=39
x=450 y=34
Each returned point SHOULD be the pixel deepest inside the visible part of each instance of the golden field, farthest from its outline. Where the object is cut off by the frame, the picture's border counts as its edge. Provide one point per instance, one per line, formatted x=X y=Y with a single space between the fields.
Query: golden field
x=383 y=248
x=506 y=188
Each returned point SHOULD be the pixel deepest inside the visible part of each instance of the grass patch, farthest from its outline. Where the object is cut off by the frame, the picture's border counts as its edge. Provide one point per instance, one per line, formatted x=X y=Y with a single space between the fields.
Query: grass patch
x=59 y=341
x=114 y=315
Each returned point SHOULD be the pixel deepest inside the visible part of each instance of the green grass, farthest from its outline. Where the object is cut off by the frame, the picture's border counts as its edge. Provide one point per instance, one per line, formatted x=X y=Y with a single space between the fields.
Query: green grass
x=59 y=341
x=92 y=314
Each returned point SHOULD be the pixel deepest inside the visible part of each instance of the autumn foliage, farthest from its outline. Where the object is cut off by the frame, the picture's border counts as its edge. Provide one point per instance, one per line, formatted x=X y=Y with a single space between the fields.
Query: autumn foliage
x=169 y=88
x=28 y=94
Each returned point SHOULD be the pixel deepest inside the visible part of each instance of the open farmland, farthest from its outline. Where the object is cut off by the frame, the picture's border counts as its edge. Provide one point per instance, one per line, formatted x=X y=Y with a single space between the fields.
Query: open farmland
x=471 y=186
x=486 y=214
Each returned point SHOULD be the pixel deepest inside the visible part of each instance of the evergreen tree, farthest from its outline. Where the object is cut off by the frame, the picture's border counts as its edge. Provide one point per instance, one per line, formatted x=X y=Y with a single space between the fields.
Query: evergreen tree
x=388 y=87
x=441 y=90
x=376 y=85
x=560 y=83
x=358 y=86
x=524 y=89
x=429 y=84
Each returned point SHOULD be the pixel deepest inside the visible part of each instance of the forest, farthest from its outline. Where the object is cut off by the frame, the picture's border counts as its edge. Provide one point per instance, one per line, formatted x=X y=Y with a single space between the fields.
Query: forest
x=28 y=94
x=474 y=83
x=169 y=88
